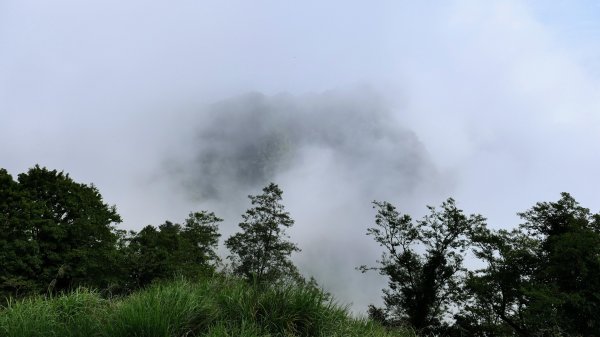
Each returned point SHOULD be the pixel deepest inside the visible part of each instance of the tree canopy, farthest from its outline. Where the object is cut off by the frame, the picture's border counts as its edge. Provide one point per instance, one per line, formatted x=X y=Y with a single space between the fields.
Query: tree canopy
x=544 y=276
x=173 y=249
x=541 y=278
x=261 y=252
x=423 y=262
x=55 y=233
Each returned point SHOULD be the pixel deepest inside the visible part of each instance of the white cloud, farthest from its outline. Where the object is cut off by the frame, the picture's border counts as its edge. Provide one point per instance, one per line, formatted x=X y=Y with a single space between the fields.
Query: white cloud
x=505 y=95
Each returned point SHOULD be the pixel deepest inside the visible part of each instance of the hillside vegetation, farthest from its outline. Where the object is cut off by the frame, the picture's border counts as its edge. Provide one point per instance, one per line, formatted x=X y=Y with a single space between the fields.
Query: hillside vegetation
x=215 y=306
x=57 y=237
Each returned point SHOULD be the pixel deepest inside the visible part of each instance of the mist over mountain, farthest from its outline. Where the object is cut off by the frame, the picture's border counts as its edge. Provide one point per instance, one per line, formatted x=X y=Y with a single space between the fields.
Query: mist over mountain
x=175 y=107
x=248 y=140
x=332 y=152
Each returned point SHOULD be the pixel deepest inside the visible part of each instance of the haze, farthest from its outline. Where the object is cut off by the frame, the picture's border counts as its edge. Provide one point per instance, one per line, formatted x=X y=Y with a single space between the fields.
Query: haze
x=170 y=107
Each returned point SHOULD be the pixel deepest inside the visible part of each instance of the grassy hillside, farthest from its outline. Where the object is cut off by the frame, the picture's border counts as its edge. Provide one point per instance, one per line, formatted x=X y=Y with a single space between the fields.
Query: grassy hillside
x=213 y=307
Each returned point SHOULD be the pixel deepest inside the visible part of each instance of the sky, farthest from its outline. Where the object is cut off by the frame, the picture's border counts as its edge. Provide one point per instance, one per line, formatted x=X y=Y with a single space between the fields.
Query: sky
x=175 y=106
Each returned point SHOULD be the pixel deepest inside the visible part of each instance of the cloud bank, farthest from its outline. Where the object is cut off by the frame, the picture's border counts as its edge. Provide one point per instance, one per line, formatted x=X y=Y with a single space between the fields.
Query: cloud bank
x=495 y=103
x=332 y=153
x=249 y=140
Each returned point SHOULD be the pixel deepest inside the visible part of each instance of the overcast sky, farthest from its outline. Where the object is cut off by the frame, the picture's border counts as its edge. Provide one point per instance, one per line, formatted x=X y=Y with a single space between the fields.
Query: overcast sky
x=164 y=104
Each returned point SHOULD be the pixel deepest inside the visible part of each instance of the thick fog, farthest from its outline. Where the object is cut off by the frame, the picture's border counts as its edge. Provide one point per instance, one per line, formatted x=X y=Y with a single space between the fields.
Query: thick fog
x=243 y=143
x=169 y=107
x=332 y=153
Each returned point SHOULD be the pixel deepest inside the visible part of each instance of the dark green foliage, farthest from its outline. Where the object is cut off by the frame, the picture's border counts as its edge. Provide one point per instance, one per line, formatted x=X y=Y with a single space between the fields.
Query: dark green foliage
x=172 y=249
x=55 y=233
x=260 y=252
x=20 y=260
x=73 y=228
x=543 y=278
x=150 y=253
x=200 y=238
x=497 y=307
x=423 y=262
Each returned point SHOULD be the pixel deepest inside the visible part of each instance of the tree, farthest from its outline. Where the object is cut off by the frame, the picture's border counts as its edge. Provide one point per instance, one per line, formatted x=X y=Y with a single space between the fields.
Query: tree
x=172 y=249
x=422 y=261
x=260 y=252
x=200 y=236
x=499 y=293
x=19 y=255
x=56 y=233
x=150 y=253
x=544 y=277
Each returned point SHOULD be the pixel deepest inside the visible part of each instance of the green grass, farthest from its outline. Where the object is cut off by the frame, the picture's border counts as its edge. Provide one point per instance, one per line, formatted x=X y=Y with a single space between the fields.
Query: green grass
x=77 y=314
x=215 y=307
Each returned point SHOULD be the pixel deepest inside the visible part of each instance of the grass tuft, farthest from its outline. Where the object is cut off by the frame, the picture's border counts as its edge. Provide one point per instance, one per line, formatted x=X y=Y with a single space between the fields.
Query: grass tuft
x=214 y=307
x=72 y=315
